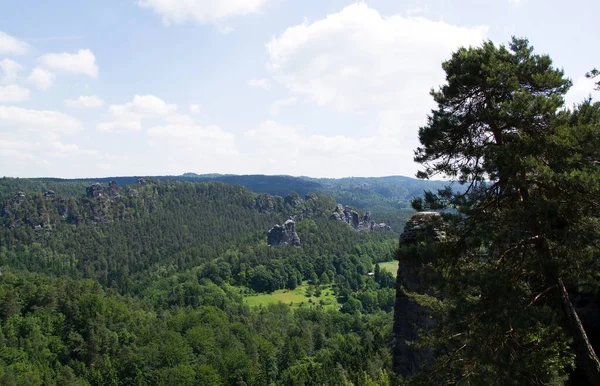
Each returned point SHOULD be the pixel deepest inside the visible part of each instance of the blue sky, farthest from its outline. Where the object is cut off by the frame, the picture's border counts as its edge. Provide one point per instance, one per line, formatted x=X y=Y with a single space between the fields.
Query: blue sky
x=325 y=88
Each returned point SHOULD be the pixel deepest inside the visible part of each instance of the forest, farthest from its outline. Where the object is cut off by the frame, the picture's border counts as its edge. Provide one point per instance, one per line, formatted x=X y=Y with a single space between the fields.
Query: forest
x=161 y=281
x=149 y=284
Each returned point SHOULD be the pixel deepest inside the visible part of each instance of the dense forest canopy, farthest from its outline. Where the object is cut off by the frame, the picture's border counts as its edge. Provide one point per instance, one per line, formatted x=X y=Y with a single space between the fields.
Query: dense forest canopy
x=387 y=198
x=150 y=284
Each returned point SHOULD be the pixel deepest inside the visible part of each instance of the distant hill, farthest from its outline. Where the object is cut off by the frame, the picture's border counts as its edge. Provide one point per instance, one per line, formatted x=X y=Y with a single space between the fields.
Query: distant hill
x=387 y=198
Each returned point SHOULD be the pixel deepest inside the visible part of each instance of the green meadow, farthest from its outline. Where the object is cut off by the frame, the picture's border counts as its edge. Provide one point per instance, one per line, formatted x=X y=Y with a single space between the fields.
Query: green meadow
x=296 y=297
x=391 y=266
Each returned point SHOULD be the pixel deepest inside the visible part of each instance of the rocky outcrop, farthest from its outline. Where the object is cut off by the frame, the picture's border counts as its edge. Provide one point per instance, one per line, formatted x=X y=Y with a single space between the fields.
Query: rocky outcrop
x=264 y=203
x=98 y=190
x=283 y=235
x=353 y=218
x=422 y=226
x=409 y=315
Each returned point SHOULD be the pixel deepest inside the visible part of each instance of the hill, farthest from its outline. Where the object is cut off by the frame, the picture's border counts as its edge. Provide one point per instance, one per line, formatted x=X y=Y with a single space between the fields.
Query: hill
x=387 y=198
x=157 y=282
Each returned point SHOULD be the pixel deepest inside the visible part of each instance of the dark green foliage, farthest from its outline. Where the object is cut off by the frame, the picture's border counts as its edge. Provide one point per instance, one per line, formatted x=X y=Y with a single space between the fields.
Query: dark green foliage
x=527 y=223
x=145 y=288
x=387 y=198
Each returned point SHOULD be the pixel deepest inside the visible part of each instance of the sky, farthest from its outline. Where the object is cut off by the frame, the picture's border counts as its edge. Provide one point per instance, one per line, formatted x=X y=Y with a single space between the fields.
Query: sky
x=321 y=88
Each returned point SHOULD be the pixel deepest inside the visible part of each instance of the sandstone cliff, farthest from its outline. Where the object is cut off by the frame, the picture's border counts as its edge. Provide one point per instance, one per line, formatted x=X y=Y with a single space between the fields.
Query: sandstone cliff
x=410 y=316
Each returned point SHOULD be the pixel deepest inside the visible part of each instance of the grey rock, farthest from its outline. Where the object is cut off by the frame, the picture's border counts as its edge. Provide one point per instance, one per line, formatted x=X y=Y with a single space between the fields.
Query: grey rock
x=264 y=203
x=410 y=316
x=283 y=235
x=354 y=220
x=367 y=217
x=98 y=190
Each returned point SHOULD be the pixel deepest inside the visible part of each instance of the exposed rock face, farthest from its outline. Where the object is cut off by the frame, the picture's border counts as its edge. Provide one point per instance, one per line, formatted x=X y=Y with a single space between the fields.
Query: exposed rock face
x=409 y=316
x=293 y=199
x=98 y=190
x=264 y=203
x=422 y=226
x=355 y=221
x=351 y=217
x=283 y=235
x=367 y=217
x=381 y=227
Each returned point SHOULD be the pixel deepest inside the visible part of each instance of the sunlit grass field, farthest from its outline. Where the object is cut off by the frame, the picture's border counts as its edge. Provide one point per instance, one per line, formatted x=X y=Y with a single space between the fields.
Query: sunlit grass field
x=297 y=297
x=391 y=266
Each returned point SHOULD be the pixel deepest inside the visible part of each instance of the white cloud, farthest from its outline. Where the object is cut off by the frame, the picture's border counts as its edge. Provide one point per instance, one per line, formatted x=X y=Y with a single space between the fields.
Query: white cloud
x=514 y=2
x=16 y=118
x=38 y=150
x=195 y=108
x=83 y=62
x=378 y=68
x=286 y=149
x=119 y=126
x=10 y=69
x=84 y=102
x=12 y=46
x=263 y=83
x=209 y=139
x=128 y=116
x=144 y=105
x=42 y=79
x=277 y=105
x=582 y=88
x=13 y=93
x=357 y=59
x=201 y=11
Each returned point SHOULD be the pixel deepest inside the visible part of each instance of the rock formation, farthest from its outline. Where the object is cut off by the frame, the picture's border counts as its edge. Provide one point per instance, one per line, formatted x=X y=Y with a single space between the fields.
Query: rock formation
x=264 y=203
x=283 y=235
x=351 y=217
x=98 y=190
x=410 y=316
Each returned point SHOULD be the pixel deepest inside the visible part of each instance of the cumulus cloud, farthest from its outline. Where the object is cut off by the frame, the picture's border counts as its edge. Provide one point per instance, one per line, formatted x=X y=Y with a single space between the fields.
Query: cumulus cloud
x=10 y=69
x=13 y=93
x=195 y=108
x=286 y=149
x=42 y=79
x=12 y=46
x=263 y=83
x=358 y=59
x=144 y=105
x=582 y=88
x=23 y=151
x=83 y=62
x=201 y=11
x=84 y=102
x=195 y=138
x=17 y=118
x=128 y=116
x=381 y=68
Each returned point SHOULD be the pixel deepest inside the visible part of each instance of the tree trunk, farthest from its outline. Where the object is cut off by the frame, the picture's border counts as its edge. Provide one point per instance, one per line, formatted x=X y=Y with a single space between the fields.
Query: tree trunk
x=586 y=356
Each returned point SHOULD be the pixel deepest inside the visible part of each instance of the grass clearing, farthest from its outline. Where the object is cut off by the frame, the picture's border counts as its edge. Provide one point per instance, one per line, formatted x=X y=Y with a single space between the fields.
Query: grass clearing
x=296 y=297
x=391 y=266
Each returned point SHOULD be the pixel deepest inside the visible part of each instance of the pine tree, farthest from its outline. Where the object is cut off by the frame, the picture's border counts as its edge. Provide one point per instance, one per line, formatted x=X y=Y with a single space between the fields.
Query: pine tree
x=526 y=225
